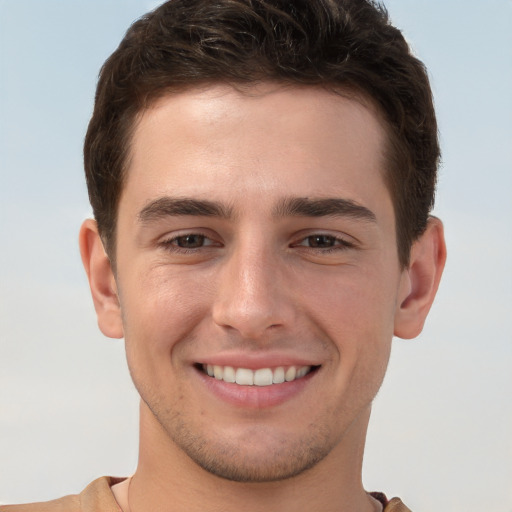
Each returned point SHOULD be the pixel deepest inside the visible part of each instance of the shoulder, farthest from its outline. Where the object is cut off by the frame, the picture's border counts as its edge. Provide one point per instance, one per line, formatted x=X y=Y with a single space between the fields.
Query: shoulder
x=68 y=504
x=96 y=497
x=396 y=505
x=392 y=505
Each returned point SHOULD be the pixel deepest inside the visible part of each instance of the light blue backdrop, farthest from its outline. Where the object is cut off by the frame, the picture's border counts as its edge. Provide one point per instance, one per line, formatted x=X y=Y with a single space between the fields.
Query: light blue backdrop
x=68 y=412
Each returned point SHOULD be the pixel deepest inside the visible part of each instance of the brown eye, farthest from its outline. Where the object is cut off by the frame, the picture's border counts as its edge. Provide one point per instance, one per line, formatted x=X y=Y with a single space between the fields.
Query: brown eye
x=324 y=243
x=321 y=241
x=190 y=241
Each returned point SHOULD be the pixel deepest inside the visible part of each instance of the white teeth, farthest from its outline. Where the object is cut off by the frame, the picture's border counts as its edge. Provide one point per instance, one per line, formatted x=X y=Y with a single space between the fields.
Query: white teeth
x=290 y=374
x=263 y=377
x=260 y=377
x=244 y=377
x=229 y=374
x=301 y=372
x=278 y=377
x=218 y=372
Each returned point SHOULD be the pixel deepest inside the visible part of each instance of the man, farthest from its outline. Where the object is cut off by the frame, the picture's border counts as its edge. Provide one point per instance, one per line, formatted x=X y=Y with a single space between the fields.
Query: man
x=261 y=175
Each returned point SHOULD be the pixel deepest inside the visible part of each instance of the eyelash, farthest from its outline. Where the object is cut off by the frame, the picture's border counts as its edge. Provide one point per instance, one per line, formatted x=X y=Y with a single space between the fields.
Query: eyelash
x=171 y=244
x=339 y=243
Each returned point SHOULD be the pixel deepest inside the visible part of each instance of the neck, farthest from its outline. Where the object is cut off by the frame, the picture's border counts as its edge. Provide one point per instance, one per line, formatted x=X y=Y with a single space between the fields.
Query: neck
x=168 y=480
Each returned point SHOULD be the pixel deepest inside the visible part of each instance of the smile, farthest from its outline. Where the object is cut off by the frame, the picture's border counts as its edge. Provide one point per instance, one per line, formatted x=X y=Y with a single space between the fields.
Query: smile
x=259 y=377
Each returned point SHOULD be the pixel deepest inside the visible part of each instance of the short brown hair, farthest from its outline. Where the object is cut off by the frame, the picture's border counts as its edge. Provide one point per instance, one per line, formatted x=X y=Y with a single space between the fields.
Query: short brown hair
x=344 y=45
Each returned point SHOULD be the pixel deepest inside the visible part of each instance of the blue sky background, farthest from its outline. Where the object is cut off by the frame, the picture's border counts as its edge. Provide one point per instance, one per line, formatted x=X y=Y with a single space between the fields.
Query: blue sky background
x=440 y=436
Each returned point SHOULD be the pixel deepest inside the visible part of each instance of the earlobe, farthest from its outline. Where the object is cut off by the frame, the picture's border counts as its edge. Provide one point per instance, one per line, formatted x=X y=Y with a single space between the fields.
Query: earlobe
x=101 y=280
x=420 y=280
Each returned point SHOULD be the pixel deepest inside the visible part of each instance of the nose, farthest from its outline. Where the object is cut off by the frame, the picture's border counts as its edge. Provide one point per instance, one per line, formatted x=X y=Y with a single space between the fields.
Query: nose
x=251 y=296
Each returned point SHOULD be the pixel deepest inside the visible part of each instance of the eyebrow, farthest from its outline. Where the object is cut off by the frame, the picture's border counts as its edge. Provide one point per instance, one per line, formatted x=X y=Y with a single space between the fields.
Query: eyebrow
x=170 y=207
x=323 y=207
x=287 y=207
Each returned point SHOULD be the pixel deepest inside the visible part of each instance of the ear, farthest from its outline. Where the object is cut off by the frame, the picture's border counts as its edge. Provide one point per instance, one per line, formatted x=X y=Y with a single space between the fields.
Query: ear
x=101 y=280
x=420 y=280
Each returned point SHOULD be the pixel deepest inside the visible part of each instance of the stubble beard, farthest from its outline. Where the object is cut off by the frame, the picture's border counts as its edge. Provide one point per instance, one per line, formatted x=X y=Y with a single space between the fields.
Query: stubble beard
x=277 y=458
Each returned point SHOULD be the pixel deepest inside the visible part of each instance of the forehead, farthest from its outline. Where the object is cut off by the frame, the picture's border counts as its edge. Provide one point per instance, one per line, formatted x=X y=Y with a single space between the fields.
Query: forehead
x=268 y=138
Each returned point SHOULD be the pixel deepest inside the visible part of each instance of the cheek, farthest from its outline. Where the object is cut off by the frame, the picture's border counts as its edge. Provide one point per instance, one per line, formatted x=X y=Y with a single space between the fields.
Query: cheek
x=160 y=308
x=355 y=303
x=356 y=314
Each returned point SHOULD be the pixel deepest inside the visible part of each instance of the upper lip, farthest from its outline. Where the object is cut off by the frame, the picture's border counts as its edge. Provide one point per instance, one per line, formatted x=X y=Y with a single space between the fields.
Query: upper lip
x=254 y=361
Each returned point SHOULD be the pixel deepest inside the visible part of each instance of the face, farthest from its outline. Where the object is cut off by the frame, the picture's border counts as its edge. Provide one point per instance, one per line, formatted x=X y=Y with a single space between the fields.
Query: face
x=257 y=274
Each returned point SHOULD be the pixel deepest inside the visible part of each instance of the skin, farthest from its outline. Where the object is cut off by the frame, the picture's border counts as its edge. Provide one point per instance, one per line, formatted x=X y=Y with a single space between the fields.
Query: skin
x=257 y=282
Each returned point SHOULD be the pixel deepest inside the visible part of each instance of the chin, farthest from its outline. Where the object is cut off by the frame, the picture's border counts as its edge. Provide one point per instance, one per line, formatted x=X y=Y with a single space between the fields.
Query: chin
x=241 y=466
x=255 y=456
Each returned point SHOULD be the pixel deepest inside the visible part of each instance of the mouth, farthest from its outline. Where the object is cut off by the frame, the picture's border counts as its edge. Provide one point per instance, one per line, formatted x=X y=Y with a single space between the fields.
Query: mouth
x=258 y=377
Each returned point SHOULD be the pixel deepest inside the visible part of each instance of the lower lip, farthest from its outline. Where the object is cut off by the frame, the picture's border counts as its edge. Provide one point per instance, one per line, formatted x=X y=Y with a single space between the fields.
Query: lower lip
x=255 y=397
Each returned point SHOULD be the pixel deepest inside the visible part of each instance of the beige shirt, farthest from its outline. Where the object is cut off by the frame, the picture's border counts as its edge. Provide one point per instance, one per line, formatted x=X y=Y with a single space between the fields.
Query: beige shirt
x=98 y=497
